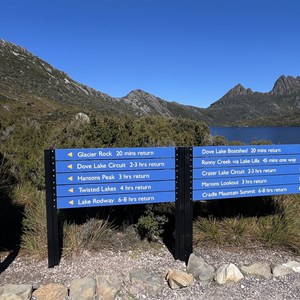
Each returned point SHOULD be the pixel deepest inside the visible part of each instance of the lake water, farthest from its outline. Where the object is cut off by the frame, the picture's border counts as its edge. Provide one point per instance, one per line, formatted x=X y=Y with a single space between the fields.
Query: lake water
x=277 y=135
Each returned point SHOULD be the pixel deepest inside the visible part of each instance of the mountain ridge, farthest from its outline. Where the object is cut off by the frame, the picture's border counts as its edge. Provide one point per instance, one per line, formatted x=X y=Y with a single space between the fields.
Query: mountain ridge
x=25 y=77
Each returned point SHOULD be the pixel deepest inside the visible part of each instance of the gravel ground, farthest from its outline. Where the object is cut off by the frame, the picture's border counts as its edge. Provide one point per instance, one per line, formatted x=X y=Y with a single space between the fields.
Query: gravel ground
x=29 y=270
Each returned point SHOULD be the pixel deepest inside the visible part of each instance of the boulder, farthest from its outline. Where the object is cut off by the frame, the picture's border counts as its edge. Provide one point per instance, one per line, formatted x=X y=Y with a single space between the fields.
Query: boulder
x=51 y=291
x=179 y=279
x=259 y=270
x=10 y=297
x=82 y=118
x=294 y=265
x=83 y=289
x=200 y=269
x=143 y=281
x=15 y=291
x=108 y=286
x=280 y=270
x=228 y=273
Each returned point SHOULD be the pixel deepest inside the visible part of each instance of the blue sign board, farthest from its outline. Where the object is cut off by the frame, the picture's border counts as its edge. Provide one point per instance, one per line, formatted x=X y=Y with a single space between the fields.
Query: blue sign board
x=113 y=153
x=246 y=161
x=212 y=194
x=111 y=199
x=246 y=181
x=85 y=176
x=246 y=150
x=245 y=171
x=117 y=176
x=115 y=188
x=114 y=165
x=114 y=176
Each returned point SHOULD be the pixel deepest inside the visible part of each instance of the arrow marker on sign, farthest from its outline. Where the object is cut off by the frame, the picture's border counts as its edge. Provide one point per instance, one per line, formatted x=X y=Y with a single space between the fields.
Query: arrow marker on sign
x=71 y=202
x=70 y=178
x=71 y=190
x=70 y=166
x=70 y=154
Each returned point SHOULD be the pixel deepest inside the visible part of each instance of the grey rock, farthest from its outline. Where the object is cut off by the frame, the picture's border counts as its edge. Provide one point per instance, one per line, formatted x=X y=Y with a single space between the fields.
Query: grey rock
x=228 y=273
x=200 y=269
x=82 y=118
x=10 y=297
x=260 y=270
x=8 y=130
x=83 y=289
x=294 y=265
x=178 y=279
x=108 y=287
x=23 y=291
x=280 y=270
x=143 y=281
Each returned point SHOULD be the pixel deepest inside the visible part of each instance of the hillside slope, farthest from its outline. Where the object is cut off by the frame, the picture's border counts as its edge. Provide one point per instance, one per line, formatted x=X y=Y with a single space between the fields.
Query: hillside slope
x=29 y=80
x=30 y=86
x=241 y=106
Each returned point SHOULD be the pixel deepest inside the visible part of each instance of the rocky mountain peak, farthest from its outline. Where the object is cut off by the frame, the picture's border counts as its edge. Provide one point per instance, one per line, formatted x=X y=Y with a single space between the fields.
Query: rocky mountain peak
x=286 y=85
x=148 y=104
x=238 y=90
x=135 y=94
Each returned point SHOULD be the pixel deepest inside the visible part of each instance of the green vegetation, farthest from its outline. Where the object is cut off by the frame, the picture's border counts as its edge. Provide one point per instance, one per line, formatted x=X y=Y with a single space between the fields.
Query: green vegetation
x=269 y=222
x=87 y=236
x=273 y=223
x=34 y=236
x=83 y=228
x=154 y=221
x=257 y=109
x=37 y=108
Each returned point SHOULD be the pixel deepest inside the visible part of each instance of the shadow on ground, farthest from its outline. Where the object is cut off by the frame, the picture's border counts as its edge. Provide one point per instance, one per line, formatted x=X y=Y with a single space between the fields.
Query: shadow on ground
x=10 y=231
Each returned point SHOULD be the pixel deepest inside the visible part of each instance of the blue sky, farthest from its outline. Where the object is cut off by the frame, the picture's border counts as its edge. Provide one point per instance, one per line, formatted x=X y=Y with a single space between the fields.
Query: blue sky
x=187 y=51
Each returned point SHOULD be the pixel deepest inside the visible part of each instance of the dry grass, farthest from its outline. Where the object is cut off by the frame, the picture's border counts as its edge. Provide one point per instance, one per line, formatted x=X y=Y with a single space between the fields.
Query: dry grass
x=26 y=194
x=34 y=237
x=87 y=236
x=235 y=231
x=4 y=173
x=280 y=230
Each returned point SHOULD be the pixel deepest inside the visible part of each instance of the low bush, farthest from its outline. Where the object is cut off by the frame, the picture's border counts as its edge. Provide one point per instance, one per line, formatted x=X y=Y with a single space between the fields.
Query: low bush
x=280 y=228
x=151 y=224
x=86 y=236
x=34 y=237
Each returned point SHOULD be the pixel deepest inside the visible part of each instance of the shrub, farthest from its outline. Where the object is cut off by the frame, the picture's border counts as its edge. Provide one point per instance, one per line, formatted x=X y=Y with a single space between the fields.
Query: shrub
x=283 y=229
x=34 y=238
x=206 y=230
x=218 y=140
x=26 y=194
x=87 y=236
x=280 y=228
x=150 y=224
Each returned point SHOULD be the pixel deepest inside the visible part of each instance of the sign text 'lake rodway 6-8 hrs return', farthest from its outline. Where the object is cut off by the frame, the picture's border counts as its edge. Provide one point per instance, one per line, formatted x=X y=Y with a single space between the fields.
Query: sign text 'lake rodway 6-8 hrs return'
x=245 y=171
x=114 y=176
